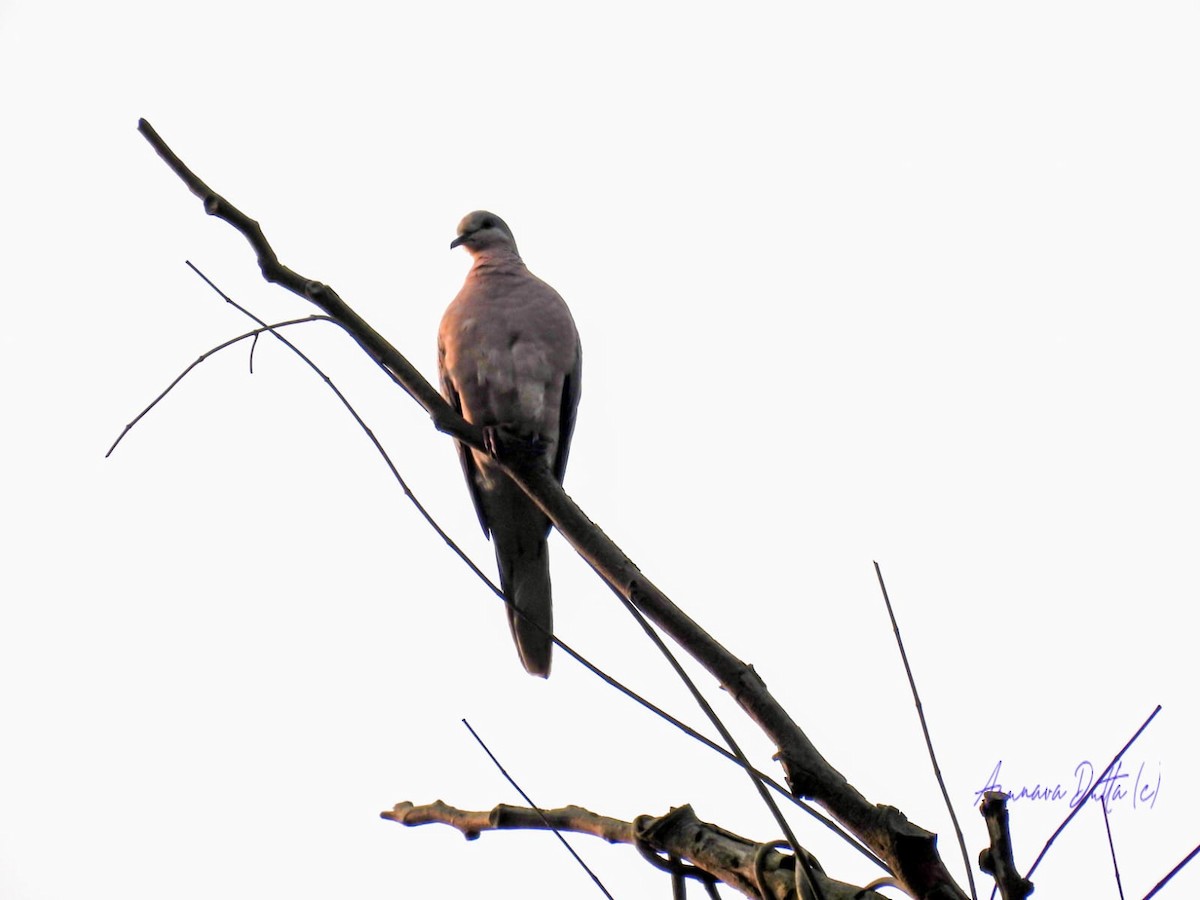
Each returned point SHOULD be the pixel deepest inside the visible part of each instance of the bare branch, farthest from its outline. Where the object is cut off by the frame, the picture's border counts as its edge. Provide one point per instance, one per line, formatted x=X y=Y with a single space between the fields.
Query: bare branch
x=997 y=858
x=718 y=854
x=323 y=296
x=909 y=851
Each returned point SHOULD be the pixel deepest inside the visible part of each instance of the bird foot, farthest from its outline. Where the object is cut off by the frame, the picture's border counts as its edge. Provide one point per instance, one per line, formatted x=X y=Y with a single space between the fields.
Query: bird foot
x=501 y=440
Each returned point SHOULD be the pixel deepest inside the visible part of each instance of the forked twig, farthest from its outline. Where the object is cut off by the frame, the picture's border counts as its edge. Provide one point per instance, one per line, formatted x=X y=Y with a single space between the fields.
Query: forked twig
x=1100 y=780
x=201 y=358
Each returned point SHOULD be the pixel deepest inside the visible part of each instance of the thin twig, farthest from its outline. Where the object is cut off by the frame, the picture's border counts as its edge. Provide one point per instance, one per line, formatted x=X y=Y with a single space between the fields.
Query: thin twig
x=1112 y=849
x=717 y=748
x=962 y=844
x=1175 y=871
x=538 y=810
x=805 y=881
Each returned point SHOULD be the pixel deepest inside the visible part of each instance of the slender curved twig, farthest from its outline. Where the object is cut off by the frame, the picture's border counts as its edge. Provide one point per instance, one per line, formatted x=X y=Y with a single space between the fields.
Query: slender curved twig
x=201 y=358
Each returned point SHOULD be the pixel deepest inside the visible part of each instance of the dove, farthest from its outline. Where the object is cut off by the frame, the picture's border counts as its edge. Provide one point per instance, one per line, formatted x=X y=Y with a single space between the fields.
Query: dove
x=509 y=358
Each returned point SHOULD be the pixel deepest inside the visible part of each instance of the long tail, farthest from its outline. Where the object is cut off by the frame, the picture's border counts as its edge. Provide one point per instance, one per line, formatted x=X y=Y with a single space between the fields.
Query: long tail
x=525 y=579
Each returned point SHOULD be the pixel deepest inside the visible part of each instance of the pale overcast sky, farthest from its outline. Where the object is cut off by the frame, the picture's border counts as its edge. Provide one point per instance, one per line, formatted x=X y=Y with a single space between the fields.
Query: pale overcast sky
x=913 y=283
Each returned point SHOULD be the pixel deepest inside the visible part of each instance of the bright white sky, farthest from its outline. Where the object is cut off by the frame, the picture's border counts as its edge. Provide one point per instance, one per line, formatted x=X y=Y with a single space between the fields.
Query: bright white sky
x=913 y=283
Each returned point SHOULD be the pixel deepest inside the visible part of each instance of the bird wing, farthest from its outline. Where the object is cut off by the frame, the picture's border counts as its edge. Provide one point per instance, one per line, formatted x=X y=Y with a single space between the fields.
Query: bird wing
x=566 y=419
x=465 y=457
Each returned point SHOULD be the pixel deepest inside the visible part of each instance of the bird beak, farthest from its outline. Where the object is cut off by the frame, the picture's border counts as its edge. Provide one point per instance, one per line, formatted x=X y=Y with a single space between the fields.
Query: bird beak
x=457 y=241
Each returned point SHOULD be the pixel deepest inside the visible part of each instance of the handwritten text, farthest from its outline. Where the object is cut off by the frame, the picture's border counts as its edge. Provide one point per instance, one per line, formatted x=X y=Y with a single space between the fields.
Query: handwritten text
x=1139 y=791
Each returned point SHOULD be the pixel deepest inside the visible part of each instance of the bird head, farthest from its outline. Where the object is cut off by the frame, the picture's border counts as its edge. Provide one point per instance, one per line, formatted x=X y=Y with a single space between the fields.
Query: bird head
x=481 y=231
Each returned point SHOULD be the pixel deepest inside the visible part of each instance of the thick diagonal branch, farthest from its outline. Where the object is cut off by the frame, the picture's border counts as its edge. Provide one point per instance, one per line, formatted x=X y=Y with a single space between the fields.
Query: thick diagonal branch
x=909 y=850
x=741 y=863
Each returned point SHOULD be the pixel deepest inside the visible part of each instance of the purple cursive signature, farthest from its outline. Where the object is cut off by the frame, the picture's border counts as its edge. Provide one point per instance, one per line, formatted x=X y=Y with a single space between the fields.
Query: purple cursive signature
x=1116 y=787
